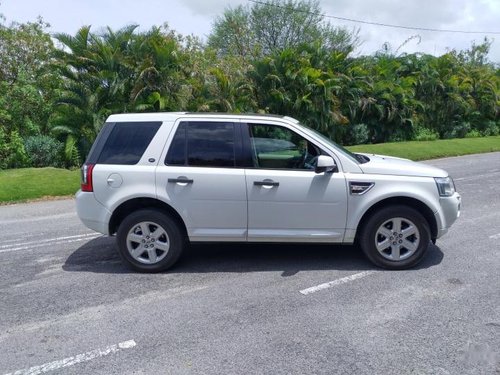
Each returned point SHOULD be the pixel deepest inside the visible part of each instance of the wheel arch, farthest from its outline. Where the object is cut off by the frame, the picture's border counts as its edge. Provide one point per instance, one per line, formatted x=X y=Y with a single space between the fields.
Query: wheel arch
x=135 y=204
x=416 y=204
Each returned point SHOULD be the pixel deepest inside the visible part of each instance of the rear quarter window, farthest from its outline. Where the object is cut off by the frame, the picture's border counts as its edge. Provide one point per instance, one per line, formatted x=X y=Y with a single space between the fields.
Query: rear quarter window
x=127 y=142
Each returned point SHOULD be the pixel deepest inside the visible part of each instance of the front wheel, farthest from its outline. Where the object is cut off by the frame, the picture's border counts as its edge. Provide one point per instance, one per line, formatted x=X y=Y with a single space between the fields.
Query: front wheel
x=395 y=237
x=149 y=241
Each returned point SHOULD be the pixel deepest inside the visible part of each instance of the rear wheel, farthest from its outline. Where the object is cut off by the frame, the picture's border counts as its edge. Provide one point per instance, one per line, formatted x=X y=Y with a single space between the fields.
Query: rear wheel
x=150 y=241
x=395 y=237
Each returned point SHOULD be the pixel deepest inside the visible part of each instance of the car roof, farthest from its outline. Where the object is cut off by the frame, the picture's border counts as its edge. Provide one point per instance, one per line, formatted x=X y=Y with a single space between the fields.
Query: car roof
x=172 y=116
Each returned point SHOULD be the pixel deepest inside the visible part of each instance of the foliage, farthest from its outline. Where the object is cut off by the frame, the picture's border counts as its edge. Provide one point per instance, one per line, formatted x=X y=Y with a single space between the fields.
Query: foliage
x=299 y=83
x=16 y=156
x=281 y=57
x=357 y=134
x=274 y=26
x=490 y=128
x=44 y=151
x=425 y=134
x=27 y=82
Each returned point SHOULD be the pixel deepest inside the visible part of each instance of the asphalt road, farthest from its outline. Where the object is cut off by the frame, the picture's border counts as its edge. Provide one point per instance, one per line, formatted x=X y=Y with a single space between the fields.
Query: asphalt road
x=68 y=305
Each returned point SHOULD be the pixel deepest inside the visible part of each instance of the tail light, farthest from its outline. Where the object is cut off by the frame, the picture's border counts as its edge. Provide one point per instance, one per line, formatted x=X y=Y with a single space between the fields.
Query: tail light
x=87 y=177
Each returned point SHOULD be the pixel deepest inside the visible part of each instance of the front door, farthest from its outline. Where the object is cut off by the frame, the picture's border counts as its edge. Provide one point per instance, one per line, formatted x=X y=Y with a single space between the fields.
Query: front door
x=287 y=200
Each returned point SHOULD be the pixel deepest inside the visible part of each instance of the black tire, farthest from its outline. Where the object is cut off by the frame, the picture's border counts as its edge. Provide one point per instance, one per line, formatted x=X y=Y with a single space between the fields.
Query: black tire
x=383 y=221
x=151 y=220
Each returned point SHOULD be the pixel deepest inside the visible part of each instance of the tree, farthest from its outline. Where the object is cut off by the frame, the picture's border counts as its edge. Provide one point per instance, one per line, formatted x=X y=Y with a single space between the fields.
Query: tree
x=274 y=26
x=96 y=83
x=294 y=83
x=232 y=33
x=28 y=86
x=27 y=83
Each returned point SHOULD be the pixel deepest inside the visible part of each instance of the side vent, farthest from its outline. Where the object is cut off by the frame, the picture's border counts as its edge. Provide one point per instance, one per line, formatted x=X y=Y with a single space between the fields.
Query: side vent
x=360 y=188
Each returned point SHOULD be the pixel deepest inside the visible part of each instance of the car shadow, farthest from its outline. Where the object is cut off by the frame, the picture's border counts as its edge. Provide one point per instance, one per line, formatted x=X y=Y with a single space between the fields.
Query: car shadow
x=101 y=256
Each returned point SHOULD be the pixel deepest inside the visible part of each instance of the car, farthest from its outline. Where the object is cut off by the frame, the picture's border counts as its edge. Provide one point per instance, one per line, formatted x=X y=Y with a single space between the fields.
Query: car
x=159 y=181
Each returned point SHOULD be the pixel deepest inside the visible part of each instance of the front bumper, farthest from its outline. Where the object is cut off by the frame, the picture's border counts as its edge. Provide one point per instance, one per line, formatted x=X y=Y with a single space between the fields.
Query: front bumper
x=449 y=213
x=92 y=213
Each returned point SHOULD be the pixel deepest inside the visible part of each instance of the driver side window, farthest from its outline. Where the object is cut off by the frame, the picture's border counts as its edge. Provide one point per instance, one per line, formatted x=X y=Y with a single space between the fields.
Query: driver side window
x=276 y=147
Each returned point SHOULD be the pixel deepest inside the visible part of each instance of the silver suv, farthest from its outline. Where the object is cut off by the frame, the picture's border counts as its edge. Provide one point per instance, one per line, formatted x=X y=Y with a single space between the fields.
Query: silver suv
x=161 y=180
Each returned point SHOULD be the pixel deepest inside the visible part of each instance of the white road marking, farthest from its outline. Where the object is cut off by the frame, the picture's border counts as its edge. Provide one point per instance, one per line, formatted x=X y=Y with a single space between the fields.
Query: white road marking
x=52 y=239
x=37 y=218
x=492 y=172
x=71 y=361
x=333 y=283
x=48 y=242
x=495 y=236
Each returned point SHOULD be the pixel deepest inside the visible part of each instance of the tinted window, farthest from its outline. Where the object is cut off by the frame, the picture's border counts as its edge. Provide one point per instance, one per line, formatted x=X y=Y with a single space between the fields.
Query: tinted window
x=276 y=147
x=177 y=151
x=99 y=142
x=127 y=142
x=203 y=144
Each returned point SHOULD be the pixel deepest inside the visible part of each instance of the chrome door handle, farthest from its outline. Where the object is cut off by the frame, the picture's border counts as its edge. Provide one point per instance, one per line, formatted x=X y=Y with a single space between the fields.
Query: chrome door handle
x=181 y=180
x=266 y=182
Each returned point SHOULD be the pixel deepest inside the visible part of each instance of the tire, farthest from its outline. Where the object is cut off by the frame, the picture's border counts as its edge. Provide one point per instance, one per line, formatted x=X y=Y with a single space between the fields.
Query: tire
x=150 y=241
x=395 y=237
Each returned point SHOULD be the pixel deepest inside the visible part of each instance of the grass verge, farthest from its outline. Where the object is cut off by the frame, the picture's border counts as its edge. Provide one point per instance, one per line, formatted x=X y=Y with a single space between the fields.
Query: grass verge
x=18 y=185
x=424 y=150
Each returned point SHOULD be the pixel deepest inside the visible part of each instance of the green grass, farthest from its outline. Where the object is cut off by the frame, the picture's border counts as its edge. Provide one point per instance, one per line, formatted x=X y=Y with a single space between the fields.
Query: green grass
x=17 y=185
x=425 y=150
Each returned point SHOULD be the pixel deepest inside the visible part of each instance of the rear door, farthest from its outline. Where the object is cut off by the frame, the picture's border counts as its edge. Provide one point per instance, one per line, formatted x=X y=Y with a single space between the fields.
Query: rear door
x=287 y=200
x=201 y=178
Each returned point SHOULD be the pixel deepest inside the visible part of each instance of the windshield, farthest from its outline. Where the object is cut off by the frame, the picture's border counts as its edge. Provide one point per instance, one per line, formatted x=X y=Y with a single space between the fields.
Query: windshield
x=354 y=157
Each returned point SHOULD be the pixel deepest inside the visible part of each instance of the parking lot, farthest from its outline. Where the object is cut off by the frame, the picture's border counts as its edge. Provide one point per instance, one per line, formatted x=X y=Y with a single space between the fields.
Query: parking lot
x=68 y=305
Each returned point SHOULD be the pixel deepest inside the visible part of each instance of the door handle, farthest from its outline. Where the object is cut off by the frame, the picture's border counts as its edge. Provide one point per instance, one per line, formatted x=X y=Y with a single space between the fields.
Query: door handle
x=180 y=180
x=266 y=182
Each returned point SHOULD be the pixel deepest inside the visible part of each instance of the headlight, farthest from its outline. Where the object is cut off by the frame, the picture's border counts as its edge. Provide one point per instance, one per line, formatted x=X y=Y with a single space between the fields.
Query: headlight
x=445 y=185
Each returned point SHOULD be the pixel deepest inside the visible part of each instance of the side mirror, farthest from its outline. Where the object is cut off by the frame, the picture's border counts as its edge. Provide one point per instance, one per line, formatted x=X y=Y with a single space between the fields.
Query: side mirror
x=325 y=164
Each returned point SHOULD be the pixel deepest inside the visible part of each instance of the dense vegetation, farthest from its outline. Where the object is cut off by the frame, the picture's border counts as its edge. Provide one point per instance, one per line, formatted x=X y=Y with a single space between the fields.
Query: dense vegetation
x=56 y=90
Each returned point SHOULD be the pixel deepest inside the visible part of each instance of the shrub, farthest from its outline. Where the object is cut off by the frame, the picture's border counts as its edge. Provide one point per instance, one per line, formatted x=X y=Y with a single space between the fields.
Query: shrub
x=4 y=149
x=44 y=151
x=458 y=130
x=357 y=134
x=490 y=128
x=398 y=135
x=473 y=134
x=16 y=153
x=425 y=134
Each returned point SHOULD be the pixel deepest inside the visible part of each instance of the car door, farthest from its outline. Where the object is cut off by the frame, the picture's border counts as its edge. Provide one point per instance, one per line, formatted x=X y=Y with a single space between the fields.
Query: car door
x=200 y=179
x=287 y=200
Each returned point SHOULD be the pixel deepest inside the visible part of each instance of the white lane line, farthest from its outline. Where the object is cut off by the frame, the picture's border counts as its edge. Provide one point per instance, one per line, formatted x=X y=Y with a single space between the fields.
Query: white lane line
x=32 y=247
x=71 y=361
x=493 y=172
x=53 y=239
x=37 y=218
x=333 y=283
x=495 y=236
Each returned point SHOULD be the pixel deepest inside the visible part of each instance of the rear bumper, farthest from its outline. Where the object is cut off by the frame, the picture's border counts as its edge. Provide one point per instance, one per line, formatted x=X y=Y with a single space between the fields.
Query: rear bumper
x=449 y=213
x=92 y=213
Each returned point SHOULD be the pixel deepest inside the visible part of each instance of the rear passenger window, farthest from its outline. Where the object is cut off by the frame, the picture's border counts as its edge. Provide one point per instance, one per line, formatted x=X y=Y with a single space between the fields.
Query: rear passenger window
x=203 y=144
x=127 y=142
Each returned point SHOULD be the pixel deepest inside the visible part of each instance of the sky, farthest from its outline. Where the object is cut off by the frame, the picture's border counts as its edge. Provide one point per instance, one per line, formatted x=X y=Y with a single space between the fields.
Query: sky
x=196 y=17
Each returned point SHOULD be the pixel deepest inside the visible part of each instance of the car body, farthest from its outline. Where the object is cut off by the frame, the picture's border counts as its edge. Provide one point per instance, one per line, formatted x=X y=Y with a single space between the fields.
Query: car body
x=254 y=178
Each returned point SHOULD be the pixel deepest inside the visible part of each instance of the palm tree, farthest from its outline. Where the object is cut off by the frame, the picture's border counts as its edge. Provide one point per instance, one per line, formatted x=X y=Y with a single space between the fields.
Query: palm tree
x=96 y=81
